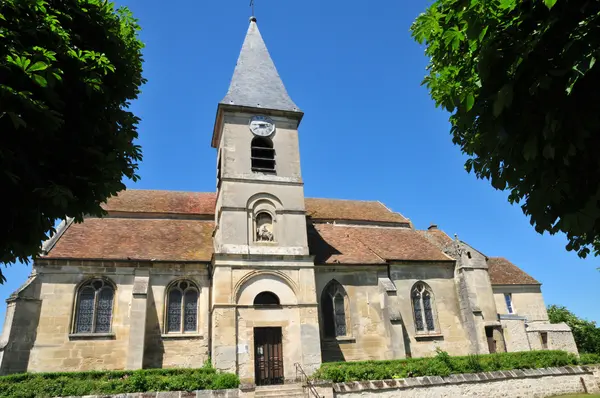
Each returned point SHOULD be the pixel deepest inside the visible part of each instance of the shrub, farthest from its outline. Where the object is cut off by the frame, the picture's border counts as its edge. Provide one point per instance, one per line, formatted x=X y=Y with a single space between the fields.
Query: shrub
x=35 y=385
x=589 y=359
x=443 y=365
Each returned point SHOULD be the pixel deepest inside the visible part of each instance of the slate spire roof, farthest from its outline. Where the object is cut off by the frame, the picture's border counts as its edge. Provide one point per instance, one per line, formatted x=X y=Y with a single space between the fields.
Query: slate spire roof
x=255 y=81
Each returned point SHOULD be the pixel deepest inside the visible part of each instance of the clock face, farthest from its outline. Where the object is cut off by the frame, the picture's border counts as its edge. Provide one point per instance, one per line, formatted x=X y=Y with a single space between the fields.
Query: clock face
x=262 y=126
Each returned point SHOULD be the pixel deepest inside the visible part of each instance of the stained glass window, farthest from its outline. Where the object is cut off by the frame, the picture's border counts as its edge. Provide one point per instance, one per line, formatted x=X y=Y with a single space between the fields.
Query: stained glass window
x=340 y=315
x=418 y=312
x=428 y=311
x=94 y=307
x=333 y=307
x=174 y=316
x=182 y=308
x=423 y=308
x=85 y=310
x=191 y=310
x=104 y=310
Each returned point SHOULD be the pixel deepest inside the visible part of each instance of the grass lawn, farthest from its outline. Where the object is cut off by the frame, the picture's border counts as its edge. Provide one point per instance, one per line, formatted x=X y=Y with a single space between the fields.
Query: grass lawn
x=578 y=396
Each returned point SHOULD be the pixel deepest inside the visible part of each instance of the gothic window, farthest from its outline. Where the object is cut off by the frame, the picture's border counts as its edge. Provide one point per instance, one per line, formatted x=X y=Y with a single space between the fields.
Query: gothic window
x=264 y=227
x=93 y=313
x=423 y=308
x=334 y=302
x=182 y=308
x=262 y=155
x=266 y=298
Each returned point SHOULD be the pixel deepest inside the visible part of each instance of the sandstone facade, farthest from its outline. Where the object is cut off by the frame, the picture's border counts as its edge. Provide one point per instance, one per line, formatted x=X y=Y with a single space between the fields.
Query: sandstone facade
x=259 y=279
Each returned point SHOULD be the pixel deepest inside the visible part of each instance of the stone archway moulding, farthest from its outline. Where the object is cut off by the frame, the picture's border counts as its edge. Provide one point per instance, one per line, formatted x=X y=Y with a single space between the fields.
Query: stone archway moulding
x=258 y=281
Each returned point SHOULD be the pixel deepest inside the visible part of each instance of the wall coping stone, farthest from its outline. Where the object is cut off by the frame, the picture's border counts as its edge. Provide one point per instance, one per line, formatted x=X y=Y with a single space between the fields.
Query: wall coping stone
x=232 y=393
x=427 y=381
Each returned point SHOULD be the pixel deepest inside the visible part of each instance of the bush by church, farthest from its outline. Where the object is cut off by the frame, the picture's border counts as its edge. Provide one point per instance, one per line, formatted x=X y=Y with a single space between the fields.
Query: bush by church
x=443 y=365
x=33 y=385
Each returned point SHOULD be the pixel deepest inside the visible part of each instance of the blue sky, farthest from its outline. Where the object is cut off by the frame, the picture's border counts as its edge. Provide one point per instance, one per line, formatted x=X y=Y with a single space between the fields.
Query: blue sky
x=370 y=130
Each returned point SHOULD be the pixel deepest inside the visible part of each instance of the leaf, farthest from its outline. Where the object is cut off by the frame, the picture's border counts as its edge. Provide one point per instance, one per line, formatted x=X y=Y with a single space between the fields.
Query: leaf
x=37 y=67
x=41 y=80
x=470 y=101
x=550 y=3
x=507 y=4
x=453 y=37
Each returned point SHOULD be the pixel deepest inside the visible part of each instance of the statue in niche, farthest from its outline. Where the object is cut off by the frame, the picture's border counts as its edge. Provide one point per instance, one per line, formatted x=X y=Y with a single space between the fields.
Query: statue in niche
x=264 y=228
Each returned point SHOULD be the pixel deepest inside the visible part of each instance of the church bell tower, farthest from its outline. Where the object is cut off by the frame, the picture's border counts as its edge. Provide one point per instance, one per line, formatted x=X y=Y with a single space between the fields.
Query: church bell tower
x=260 y=238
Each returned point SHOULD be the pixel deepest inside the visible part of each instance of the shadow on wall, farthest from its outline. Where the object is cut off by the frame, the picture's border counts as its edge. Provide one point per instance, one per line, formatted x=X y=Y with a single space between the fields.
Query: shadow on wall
x=154 y=349
x=331 y=351
x=23 y=330
x=406 y=338
x=319 y=247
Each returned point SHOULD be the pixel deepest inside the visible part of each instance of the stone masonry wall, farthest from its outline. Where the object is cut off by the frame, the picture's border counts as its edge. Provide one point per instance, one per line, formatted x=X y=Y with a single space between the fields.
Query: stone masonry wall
x=536 y=383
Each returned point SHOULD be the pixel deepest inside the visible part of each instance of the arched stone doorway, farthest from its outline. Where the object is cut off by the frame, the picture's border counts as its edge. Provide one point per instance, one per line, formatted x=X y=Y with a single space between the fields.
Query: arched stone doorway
x=268 y=328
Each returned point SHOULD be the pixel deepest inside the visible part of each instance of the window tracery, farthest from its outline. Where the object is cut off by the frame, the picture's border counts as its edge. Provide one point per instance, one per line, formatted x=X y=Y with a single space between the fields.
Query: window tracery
x=94 y=309
x=423 y=308
x=334 y=302
x=182 y=308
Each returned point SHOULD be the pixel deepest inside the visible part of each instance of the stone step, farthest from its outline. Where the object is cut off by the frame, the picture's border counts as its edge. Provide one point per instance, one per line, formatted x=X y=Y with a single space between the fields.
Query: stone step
x=283 y=390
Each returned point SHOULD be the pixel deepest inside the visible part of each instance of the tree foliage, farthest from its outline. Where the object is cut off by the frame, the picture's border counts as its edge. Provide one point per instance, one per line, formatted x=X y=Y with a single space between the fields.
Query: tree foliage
x=68 y=70
x=586 y=333
x=521 y=82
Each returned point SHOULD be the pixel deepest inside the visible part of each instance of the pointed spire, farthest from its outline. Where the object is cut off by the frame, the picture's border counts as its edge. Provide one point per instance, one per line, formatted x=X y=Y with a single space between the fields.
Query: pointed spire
x=255 y=81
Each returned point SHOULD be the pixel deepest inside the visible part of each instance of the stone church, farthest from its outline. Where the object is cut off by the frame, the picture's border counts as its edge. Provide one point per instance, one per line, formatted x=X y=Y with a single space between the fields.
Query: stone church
x=257 y=278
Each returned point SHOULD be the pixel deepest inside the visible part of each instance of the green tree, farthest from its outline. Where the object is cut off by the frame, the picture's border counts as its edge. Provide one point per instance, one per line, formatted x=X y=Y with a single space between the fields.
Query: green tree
x=586 y=333
x=521 y=82
x=68 y=70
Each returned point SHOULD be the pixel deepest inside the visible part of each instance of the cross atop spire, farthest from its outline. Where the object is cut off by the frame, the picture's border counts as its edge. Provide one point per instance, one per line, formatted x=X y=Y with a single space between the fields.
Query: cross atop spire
x=255 y=82
x=252 y=7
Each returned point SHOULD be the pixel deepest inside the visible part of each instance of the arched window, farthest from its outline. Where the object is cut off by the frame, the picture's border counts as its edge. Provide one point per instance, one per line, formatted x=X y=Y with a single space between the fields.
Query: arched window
x=93 y=313
x=266 y=298
x=423 y=308
x=262 y=155
x=182 y=308
x=333 y=306
x=264 y=227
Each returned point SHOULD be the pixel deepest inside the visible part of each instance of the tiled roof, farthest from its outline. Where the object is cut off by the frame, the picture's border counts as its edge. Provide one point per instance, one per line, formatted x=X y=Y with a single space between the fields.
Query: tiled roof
x=332 y=244
x=120 y=236
x=351 y=210
x=503 y=272
x=203 y=203
x=136 y=239
x=437 y=237
x=398 y=244
x=171 y=202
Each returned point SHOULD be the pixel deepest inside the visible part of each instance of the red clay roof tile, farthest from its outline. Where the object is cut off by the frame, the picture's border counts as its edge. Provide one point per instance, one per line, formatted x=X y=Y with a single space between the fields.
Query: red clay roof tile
x=331 y=244
x=191 y=240
x=136 y=239
x=399 y=244
x=351 y=210
x=503 y=272
x=170 y=202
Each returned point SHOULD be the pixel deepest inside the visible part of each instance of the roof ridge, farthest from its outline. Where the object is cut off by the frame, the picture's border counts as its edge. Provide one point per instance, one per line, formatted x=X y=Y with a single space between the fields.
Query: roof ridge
x=165 y=190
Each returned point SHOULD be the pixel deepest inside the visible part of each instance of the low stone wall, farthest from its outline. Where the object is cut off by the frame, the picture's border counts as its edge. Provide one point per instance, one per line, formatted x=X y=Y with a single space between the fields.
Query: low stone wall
x=536 y=383
x=234 y=393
